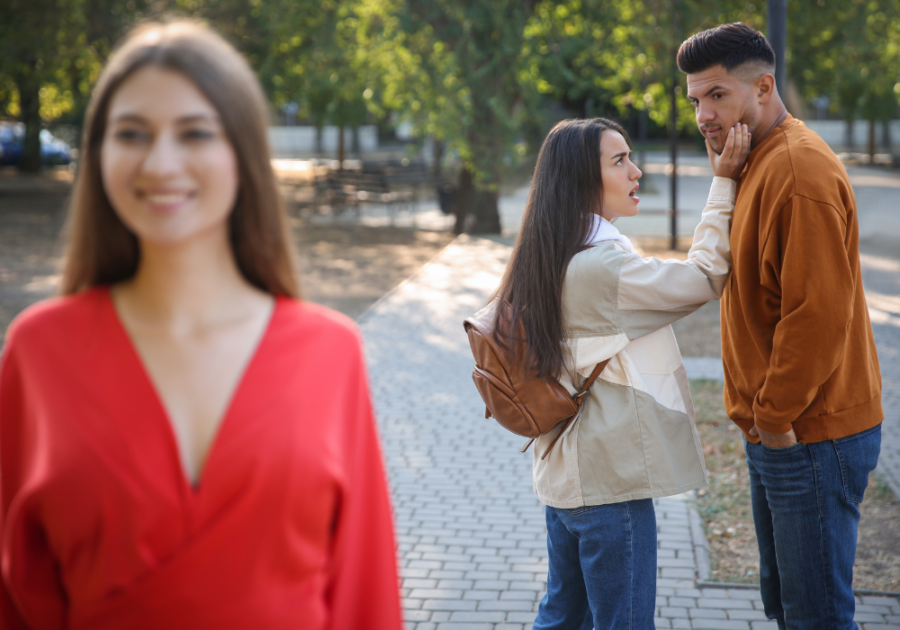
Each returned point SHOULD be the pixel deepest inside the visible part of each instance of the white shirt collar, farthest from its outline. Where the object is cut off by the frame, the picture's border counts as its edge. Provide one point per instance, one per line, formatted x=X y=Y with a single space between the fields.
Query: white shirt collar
x=603 y=230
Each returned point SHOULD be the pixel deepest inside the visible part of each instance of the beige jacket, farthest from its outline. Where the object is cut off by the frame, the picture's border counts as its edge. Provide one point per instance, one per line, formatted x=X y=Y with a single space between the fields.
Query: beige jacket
x=635 y=437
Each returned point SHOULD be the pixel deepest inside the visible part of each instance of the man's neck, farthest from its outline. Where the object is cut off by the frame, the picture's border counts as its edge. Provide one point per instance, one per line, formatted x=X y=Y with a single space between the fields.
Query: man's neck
x=765 y=128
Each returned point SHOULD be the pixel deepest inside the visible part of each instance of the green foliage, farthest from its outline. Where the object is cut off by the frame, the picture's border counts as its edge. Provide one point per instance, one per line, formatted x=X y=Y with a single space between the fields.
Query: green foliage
x=453 y=68
x=474 y=74
x=848 y=51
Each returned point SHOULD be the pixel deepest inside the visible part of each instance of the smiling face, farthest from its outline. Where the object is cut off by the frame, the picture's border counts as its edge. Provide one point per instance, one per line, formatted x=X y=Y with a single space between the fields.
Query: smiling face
x=620 y=177
x=722 y=99
x=167 y=166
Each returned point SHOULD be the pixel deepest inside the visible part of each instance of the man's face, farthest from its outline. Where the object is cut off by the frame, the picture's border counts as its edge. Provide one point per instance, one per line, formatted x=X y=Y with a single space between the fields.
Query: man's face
x=720 y=101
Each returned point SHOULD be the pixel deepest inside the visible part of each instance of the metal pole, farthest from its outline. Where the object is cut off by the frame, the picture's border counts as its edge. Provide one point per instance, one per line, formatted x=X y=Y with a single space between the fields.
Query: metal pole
x=673 y=149
x=777 y=36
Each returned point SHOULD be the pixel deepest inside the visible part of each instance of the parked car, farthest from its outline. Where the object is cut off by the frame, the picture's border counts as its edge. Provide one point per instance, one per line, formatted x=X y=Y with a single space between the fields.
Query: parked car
x=53 y=150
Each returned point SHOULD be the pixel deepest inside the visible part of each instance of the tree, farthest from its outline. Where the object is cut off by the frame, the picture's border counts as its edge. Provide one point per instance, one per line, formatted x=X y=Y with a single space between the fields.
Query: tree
x=454 y=68
x=849 y=52
x=51 y=53
x=37 y=38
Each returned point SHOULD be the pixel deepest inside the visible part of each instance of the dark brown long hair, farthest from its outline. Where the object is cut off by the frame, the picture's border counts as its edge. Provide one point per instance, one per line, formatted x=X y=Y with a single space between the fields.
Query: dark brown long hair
x=100 y=248
x=565 y=191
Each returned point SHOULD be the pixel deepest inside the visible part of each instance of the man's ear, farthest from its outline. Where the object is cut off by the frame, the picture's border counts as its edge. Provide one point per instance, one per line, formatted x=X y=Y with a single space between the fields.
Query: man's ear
x=765 y=88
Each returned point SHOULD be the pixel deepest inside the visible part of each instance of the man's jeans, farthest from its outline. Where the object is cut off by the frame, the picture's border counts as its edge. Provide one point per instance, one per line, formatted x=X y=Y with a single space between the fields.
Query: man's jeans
x=806 y=510
x=602 y=568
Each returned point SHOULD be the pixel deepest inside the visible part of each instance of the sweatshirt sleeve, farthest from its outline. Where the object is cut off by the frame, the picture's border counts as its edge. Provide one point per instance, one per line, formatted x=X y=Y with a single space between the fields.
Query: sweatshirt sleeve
x=804 y=264
x=653 y=293
x=364 y=590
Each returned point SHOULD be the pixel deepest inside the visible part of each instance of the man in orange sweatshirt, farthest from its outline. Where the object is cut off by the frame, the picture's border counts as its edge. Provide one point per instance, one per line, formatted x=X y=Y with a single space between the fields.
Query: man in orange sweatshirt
x=801 y=370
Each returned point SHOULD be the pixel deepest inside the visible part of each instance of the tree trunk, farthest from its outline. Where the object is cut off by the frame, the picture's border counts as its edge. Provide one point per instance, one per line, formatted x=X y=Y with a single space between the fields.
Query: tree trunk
x=849 y=134
x=477 y=211
x=340 y=155
x=30 y=102
x=437 y=155
x=872 y=141
x=461 y=201
x=354 y=141
x=319 y=133
x=886 y=135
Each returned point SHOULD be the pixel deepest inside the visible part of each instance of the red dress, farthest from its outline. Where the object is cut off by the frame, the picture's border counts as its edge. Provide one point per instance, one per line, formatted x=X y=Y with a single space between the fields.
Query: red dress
x=290 y=526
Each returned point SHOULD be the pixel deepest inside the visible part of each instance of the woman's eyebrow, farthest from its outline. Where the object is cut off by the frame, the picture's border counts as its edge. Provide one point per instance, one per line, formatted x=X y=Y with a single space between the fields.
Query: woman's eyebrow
x=621 y=155
x=192 y=118
x=133 y=118
x=184 y=120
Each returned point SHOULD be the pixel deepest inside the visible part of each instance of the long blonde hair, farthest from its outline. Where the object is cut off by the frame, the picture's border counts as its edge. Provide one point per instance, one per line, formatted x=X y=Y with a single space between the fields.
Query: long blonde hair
x=100 y=249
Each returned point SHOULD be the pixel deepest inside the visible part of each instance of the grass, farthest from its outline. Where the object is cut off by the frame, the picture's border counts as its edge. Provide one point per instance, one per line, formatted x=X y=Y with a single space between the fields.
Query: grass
x=724 y=507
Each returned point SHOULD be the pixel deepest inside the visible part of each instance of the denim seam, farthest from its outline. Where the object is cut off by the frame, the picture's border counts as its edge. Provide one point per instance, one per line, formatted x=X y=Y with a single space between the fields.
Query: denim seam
x=830 y=598
x=840 y=460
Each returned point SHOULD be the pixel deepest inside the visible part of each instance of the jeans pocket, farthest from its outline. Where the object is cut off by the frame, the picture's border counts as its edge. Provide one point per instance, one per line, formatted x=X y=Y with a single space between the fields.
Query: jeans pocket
x=582 y=509
x=857 y=456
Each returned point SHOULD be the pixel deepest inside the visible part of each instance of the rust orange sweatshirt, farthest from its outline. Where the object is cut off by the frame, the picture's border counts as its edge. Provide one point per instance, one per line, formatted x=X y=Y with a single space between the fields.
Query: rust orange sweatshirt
x=797 y=343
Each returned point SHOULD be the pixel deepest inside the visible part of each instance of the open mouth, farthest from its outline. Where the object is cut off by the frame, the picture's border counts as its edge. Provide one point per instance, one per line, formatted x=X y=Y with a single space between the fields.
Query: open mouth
x=633 y=194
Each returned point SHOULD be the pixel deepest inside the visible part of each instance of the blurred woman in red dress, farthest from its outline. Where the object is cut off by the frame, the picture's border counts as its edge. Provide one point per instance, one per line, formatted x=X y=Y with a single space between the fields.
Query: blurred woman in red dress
x=183 y=442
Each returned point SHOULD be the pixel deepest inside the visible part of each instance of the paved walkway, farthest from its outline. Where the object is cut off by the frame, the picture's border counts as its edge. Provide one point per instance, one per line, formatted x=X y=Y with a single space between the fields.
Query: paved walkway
x=471 y=531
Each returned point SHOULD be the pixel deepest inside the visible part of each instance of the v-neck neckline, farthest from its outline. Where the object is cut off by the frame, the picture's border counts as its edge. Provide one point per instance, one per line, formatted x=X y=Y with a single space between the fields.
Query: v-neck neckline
x=190 y=488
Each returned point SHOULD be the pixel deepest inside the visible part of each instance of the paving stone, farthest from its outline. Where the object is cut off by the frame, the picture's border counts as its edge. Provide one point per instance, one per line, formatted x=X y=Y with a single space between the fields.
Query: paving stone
x=719 y=624
x=481 y=595
x=874 y=609
x=747 y=615
x=435 y=593
x=492 y=617
x=448 y=604
x=861 y=617
x=748 y=594
x=508 y=606
x=709 y=602
x=715 y=593
x=668 y=572
x=670 y=612
x=706 y=613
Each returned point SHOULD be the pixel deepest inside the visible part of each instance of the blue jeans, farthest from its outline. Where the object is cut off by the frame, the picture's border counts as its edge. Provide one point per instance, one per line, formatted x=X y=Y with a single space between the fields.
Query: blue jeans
x=602 y=568
x=806 y=510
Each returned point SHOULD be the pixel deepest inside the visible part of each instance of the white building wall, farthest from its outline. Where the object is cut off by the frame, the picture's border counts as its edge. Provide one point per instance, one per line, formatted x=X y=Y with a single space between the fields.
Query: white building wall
x=834 y=132
x=293 y=141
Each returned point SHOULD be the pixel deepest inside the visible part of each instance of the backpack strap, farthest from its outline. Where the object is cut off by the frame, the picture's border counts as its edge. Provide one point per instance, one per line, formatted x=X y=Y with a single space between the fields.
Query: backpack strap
x=579 y=400
x=579 y=397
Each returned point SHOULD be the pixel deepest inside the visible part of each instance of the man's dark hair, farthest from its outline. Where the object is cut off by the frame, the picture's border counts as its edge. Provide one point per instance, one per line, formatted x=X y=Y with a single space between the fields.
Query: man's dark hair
x=729 y=45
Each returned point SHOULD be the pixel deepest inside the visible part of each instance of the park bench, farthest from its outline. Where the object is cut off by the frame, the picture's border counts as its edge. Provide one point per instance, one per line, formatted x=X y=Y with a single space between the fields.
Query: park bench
x=328 y=189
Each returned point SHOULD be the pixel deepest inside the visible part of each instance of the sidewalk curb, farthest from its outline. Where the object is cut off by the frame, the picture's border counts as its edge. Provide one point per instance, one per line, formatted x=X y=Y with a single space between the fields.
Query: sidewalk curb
x=700 y=544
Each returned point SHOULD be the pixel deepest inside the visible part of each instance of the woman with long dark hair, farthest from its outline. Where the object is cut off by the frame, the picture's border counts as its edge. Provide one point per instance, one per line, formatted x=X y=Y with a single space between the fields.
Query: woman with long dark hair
x=584 y=296
x=183 y=442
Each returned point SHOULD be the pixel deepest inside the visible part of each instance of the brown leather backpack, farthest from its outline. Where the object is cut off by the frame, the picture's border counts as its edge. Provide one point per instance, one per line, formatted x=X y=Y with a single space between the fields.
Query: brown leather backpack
x=512 y=392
